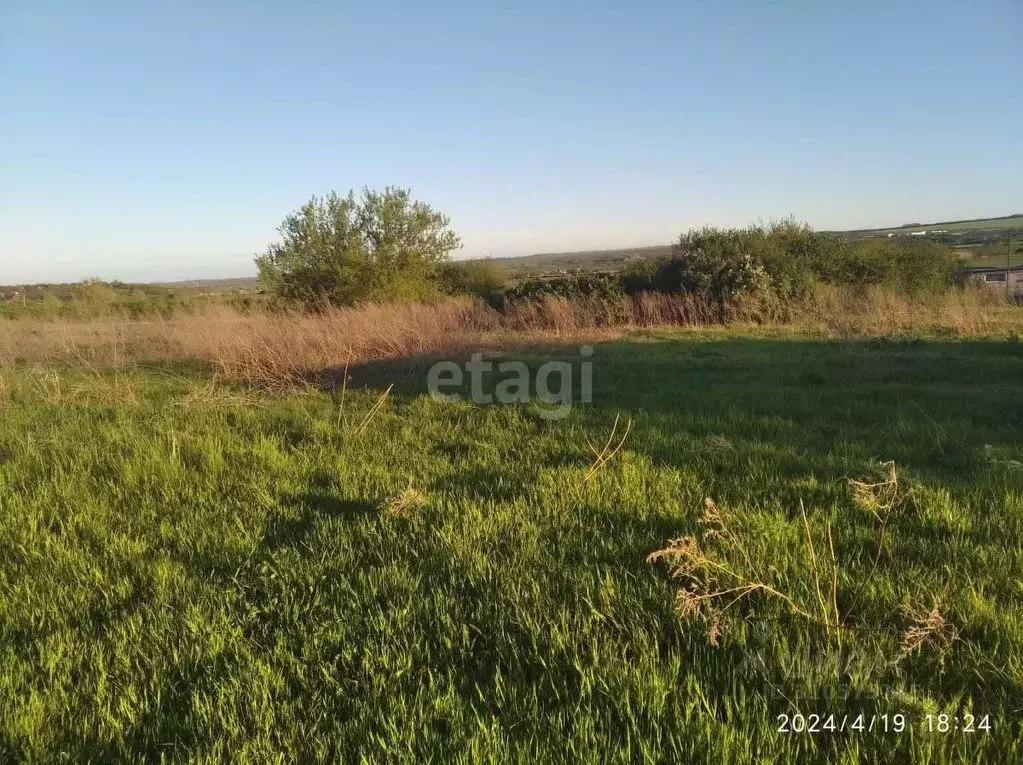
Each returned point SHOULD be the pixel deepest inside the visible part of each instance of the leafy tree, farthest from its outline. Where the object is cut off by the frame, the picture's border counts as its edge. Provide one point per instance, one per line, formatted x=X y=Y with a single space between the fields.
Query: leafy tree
x=340 y=250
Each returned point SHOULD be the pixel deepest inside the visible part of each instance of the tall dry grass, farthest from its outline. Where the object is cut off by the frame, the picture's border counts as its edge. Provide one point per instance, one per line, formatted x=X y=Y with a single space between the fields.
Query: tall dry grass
x=971 y=312
x=269 y=349
x=283 y=347
x=279 y=349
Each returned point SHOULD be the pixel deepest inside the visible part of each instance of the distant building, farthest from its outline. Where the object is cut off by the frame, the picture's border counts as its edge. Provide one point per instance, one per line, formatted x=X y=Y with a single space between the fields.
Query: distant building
x=996 y=278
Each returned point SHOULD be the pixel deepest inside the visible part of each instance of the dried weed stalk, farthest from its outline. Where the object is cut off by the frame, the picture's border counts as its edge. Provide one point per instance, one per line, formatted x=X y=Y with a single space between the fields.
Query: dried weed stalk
x=604 y=456
x=714 y=571
x=831 y=617
x=880 y=497
x=401 y=505
x=883 y=498
x=213 y=394
x=709 y=586
x=373 y=411
x=48 y=385
x=928 y=627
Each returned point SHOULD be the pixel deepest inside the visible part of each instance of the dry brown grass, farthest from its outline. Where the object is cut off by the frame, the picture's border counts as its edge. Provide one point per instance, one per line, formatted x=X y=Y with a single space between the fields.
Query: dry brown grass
x=402 y=505
x=928 y=626
x=268 y=349
x=882 y=496
x=283 y=349
x=560 y=315
x=715 y=571
x=970 y=312
x=215 y=394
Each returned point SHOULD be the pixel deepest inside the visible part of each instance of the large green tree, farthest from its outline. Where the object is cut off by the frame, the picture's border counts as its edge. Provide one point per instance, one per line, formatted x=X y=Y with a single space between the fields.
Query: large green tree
x=339 y=250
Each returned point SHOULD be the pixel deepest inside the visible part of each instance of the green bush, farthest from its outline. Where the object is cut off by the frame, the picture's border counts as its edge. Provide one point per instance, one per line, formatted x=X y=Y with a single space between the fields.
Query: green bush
x=781 y=263
x=786 y=258
x=484 y=278
x=579 y=286
x=338 y=250
x=94 y=297
x=911 y=266
x=638 y=277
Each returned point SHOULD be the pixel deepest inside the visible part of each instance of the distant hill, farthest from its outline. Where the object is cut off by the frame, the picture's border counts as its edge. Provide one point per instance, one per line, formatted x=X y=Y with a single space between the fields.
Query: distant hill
x=237 y=283
x=950 y=226
x=583 y=260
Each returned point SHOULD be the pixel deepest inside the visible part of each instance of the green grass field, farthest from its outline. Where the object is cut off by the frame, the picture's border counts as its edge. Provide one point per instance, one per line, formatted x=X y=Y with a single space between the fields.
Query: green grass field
x=995 y=261
x=212 y=573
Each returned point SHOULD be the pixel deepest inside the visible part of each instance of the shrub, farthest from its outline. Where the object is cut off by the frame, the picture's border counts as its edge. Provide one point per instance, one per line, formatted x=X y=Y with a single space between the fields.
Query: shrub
x=777 y=266
x=638 y=277
x=339 y=250
x=785 y=258
x=582 y=285
x=94 y=297
x=483 y=278
x=912 y=266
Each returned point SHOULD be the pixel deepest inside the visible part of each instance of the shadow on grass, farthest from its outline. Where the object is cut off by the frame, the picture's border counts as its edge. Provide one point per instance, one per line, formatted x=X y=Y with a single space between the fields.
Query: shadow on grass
x=485 y=484
x=302 y=511
x=189 y=368
x=933 y=404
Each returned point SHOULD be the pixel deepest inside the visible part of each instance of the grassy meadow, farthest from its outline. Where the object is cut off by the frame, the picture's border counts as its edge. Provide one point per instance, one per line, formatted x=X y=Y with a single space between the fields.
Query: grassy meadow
x=194 y=568
x=994 y=257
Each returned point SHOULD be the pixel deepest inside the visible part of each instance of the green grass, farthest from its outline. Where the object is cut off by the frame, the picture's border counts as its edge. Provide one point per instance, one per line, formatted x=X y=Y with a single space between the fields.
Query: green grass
x=996 y=261
x=191 y=575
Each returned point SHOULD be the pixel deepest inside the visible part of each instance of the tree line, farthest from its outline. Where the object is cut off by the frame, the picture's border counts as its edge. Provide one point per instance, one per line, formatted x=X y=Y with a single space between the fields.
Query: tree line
x=386 y=246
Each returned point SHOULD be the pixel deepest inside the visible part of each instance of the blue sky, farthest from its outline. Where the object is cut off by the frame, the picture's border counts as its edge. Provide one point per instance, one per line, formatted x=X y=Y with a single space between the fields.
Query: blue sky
x=161 y=140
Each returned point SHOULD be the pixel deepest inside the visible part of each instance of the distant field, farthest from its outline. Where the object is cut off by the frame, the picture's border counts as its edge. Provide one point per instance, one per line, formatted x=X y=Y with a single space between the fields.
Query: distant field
x=239 y=283
x=589 y=260
x=993 y=255
x=994 y=261
x=196 y=571
x=1015 y=221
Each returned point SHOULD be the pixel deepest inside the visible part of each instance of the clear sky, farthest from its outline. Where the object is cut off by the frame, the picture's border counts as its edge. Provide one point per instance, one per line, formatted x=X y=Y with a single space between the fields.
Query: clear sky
x=152 y=140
